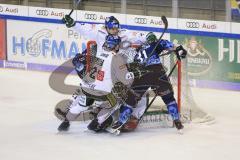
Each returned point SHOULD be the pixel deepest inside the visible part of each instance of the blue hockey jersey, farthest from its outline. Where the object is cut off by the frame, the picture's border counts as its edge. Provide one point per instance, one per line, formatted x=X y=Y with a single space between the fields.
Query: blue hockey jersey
x=147 y=50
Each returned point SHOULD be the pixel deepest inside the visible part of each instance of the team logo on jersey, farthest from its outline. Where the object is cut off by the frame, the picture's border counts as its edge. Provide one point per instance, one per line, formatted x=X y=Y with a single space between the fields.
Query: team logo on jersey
x=100 y=75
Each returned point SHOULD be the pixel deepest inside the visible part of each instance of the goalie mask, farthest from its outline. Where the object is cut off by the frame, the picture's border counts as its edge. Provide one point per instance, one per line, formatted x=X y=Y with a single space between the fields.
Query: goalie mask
x=151 y=37
x=112 y=43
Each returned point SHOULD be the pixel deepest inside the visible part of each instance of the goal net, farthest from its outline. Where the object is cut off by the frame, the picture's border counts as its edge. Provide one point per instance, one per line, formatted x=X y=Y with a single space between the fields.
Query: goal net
x=157 y=113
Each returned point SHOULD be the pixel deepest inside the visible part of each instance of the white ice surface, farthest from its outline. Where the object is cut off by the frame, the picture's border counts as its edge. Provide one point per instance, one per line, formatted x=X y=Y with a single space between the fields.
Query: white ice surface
x=28 y=128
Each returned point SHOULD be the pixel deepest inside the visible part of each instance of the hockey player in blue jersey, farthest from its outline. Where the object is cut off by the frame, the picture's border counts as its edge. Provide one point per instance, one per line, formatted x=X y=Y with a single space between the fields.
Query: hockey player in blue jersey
x=154 y=77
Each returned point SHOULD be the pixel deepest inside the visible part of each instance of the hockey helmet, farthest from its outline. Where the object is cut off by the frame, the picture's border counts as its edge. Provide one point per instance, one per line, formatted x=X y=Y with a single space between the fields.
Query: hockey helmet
x=151 y=37
x=111 y=23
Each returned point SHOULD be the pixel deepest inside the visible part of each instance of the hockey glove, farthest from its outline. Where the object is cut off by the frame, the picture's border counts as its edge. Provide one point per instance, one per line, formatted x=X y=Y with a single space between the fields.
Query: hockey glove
x=79 y=66
x=181 y=52
x=79 y=62
x=68 y=21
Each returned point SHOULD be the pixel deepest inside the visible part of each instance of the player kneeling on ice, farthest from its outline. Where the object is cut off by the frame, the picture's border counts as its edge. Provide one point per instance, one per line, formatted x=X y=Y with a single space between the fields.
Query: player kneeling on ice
x=154 y=77
x=107 y=68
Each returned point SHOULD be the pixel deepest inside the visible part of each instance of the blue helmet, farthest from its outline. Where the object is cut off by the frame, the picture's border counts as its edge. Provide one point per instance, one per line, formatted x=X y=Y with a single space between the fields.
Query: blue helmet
x=111 y=22
x=111 y=42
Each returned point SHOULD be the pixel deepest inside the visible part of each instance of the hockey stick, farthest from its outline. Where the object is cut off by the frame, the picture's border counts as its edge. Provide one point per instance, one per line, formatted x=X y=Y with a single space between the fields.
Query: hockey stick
x=71 y=12
x=165 y=22
x=75 y=6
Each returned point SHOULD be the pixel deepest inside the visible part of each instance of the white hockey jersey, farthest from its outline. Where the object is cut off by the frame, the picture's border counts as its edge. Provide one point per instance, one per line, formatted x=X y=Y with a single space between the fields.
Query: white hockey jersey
x=100 y=74
x=105 y=75
x=98 y=33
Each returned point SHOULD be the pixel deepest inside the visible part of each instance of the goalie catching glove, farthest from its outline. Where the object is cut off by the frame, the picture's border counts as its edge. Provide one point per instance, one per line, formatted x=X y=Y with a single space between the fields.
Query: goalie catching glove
x=181 y=52
x=69 y=21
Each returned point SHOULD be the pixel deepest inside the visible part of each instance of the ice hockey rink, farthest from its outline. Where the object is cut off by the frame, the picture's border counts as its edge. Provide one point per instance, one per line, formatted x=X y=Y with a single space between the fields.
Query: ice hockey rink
x=28 y=128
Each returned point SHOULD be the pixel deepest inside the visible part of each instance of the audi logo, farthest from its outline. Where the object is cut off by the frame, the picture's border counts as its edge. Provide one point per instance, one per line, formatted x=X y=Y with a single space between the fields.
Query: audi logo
x=192 y=25
x=42 y=12
x=90 y=16
x=140 y=20
x=1 y=9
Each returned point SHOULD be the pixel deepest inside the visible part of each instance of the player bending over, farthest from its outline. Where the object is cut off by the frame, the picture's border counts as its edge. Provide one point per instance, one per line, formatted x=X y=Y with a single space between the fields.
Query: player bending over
x=108 y=68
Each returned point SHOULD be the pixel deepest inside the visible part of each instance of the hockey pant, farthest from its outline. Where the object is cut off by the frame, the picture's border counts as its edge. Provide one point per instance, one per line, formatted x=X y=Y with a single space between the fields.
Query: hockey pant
x=156 y=78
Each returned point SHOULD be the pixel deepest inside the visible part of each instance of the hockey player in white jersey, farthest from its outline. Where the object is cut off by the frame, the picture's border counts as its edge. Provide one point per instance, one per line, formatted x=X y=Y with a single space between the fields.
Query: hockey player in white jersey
x=98 y=33
x=107 y=70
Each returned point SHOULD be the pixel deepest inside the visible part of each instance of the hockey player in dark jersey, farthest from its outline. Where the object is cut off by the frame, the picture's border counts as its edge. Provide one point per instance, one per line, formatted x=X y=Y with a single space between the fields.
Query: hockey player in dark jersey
x=155 y=77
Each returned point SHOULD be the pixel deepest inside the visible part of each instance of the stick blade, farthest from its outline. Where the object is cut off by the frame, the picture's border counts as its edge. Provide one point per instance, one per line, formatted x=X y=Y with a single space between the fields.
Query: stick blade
x=165 y=21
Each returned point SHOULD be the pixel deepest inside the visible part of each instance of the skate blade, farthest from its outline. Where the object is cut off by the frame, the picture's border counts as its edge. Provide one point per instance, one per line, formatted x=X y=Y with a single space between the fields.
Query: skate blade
x=116 y=132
